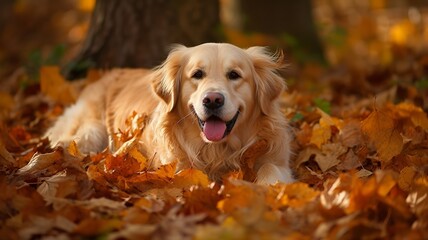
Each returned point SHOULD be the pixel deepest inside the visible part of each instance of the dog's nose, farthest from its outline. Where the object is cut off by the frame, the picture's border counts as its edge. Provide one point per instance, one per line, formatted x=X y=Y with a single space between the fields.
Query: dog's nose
x=213 y=100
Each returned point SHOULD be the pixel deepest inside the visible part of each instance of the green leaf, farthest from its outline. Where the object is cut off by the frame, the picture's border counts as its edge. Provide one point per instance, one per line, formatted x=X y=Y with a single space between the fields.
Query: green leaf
x=323 y=105
x=422 y=84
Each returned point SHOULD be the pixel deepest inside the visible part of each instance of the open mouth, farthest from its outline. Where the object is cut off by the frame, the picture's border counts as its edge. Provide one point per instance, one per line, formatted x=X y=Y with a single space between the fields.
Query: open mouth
x=215 y=129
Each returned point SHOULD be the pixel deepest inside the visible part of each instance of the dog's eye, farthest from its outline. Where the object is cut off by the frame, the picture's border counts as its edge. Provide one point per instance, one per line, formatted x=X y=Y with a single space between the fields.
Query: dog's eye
x=232 y=75
x=199 y=74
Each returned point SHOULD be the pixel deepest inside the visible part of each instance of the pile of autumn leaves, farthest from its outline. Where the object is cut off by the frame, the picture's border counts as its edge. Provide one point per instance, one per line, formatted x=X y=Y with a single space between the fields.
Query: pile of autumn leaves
x=363 y=175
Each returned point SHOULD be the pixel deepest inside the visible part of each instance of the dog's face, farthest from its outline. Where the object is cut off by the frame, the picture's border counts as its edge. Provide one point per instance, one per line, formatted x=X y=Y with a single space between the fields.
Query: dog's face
x=221 y=85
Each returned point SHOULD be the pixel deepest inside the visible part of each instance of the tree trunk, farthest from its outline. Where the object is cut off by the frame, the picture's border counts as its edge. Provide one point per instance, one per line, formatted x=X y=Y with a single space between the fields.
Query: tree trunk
x=138 y=33
x=291 y=20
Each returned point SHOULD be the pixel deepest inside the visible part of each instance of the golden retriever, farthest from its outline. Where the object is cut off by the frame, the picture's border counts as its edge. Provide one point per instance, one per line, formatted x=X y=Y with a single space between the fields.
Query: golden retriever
x=207 y=106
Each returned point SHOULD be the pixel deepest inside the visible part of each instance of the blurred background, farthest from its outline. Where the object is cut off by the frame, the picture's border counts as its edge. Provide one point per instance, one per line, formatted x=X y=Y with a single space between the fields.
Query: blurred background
x=354 y=46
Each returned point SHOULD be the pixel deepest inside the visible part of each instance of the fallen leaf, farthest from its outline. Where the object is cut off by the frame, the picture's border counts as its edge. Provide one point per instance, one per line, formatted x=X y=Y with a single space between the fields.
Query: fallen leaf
x=383 y=131
x=6 y=159
x=55 y=86
x=243 y=201
x=293 y=195
x=190 y=177
x=91 y=227
x=329 y=156
x=59 y=185
x=416 y=114
x=351 y=135
x=406 y=178
x=322 y=131
x=40 y=162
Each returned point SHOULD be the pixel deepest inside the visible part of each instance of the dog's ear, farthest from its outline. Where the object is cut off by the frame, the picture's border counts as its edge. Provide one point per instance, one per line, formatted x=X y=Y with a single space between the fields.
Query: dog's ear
x=269 y=84
x=166 y=77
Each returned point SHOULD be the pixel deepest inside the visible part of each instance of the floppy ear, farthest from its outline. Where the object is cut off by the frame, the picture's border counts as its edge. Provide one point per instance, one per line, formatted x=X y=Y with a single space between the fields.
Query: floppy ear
x=269 y=84
x=166 y=77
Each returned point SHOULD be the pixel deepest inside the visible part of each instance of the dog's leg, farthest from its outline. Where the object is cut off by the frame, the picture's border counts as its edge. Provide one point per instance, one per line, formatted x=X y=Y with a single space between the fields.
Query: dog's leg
x=271 y=174
x=80 y=123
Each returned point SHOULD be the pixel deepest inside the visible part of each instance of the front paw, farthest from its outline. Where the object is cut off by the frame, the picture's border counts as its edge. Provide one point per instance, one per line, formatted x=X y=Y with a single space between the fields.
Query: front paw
x=271 y=174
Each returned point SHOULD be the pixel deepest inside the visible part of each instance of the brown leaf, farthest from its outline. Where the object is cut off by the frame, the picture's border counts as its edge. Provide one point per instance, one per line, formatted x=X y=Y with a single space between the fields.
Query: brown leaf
x=40 y=162
x=351 y=135
x=382 y=130
x=59 y=185
x=329 y=156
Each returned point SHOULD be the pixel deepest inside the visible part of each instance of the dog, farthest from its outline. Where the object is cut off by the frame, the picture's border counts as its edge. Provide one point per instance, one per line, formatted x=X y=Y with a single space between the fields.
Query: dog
x=206 y=105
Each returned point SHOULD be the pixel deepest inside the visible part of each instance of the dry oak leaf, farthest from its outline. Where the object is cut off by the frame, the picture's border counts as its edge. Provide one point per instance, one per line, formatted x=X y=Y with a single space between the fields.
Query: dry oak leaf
x=382 y=130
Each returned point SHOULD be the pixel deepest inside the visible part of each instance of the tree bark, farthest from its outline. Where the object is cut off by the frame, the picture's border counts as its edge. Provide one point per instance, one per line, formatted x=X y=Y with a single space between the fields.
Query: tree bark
x=284 y=18
x=138 y=33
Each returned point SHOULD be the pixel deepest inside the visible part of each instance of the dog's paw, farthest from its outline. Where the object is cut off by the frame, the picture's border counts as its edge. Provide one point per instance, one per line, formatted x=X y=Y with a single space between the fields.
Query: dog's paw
x=271 y=174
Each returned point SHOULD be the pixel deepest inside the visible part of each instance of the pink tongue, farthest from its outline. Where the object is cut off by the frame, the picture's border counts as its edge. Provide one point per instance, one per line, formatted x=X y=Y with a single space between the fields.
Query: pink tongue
x=214 y=129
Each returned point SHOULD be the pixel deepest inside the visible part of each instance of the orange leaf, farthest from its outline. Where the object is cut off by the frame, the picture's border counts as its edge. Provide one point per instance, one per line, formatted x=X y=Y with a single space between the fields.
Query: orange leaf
x=416 y=114
x=382 y=130
x=122 y=165
x=94 y=226
x=190 y=177
x=55 y=86
x=406 y=178
x=294 y=195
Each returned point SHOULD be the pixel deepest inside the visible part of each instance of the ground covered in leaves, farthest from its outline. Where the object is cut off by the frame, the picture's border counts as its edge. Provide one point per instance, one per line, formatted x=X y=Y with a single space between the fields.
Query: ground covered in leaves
x=361 y=161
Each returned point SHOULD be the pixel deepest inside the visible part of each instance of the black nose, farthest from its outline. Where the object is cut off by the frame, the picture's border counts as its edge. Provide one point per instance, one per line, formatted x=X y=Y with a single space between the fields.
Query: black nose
x=213 y=100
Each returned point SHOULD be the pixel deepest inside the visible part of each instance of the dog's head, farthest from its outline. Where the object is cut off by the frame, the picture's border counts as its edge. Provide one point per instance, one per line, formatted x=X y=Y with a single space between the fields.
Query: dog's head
x=223 y=86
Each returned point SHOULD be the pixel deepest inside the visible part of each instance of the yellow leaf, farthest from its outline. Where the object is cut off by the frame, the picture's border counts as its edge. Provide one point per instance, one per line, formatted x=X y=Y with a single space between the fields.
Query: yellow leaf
x=190 y=177
x=137 y=155
x=294 y=195
x=55 y=86
x=73 y=150
x=416 y=114
x=381 y=129
x=321 y=132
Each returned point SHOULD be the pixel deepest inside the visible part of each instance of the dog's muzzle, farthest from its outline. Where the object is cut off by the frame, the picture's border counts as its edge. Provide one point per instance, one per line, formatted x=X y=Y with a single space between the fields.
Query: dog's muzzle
x=215 y=129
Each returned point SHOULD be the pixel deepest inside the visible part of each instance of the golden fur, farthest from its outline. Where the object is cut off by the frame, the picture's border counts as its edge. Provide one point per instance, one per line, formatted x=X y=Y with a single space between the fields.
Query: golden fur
x=172 y=95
